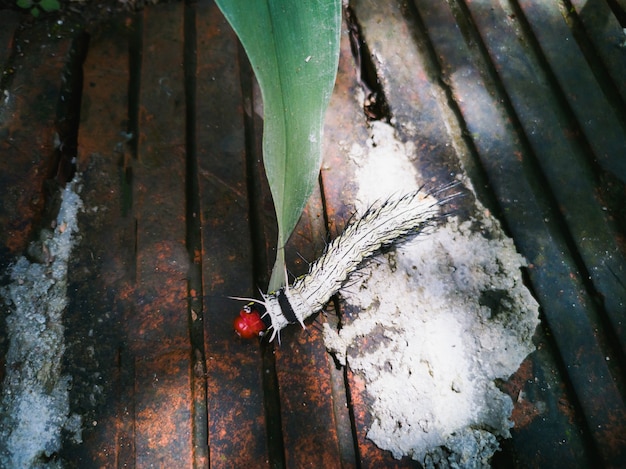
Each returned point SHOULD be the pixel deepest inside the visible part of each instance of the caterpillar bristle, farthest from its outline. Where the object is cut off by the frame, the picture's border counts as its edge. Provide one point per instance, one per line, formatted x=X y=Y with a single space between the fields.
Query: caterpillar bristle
x=305 y=260
x=384 y=223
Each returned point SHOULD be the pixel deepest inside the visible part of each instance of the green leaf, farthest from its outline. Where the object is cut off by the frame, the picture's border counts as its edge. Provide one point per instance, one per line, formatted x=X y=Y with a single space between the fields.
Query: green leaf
x=50 y=5
x=293 y=46
x=24 y=3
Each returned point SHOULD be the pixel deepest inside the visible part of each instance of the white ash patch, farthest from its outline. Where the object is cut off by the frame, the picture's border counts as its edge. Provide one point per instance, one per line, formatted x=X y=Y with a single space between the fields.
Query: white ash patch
x=451 y=315
x=384 y=167
x=35 y=395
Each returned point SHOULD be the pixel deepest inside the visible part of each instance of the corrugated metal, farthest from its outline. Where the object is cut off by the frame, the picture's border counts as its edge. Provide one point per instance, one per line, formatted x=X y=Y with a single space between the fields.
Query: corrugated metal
x=527 y=97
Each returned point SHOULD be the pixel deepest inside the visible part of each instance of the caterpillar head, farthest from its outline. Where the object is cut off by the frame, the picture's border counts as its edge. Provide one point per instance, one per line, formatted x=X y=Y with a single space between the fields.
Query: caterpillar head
x=261 y=316
x=249 y=323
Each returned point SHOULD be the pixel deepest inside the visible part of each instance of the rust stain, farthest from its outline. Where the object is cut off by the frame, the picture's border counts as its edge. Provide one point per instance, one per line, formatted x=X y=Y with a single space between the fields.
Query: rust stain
x=163 y=430
x=524 y=412
x=197 y=256
x=216 y=281
x=514 y=385
x=614 y=433
x=566 y=408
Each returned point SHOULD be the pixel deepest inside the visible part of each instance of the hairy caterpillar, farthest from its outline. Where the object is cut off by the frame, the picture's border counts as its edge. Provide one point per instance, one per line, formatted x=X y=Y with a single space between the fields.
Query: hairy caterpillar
x=380 y=226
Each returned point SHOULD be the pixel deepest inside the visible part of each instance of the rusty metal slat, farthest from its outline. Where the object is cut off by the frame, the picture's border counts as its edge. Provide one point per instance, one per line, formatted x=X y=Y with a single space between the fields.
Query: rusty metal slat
x=594 y=113
x=309 y=430
x=11 y=21
x=162 y=410
x=302 y=364
x=236 y=422
x=607 y=36
x=603 y=131
x=101 y=274
x=28 y=158
x=344 y=126
x=561 y=158
x=500 y=150
x=158 y=187
x=158 y=327
x=545 y=131
x=158 y=178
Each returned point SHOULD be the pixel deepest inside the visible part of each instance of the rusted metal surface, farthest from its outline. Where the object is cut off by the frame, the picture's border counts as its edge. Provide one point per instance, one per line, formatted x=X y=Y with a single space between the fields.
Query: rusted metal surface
x=7 y=35
x=33 y=84
x=309 y=432
x=157 y=328
x=594 y=112
x=136 y=233
x=559 y=150
x=606 y=36
x=237 y=434
x=105 y=269
x=548 y=426
x=179 y=218
x=505 y=159
x=303 y=366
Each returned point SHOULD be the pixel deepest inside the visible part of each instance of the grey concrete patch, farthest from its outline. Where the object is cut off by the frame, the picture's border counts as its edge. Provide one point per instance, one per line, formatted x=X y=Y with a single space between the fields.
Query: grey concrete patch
x=441 y=318
x=35 y=393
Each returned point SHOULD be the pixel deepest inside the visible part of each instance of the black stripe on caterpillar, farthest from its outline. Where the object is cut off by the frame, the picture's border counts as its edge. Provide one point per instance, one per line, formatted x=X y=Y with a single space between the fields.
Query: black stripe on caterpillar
x=381 y=225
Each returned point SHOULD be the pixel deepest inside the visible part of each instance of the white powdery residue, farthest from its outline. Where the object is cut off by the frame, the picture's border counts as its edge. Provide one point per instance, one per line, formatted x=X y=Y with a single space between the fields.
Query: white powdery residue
x=384 y=167
x=35 y=395
x=451 y=315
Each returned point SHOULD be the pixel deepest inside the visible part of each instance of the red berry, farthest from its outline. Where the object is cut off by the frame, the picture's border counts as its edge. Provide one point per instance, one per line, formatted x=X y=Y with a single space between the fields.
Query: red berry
x=249 y=324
